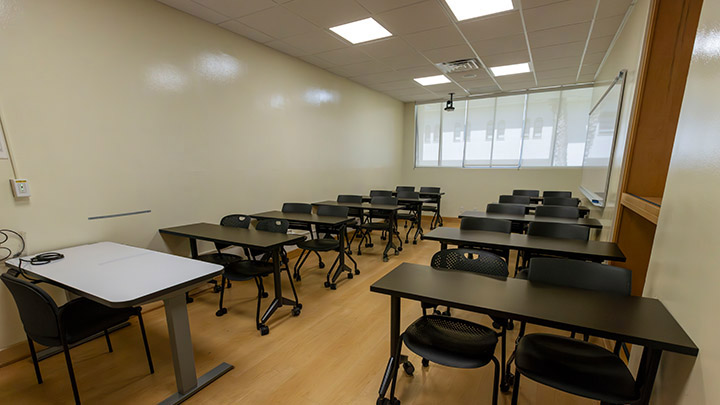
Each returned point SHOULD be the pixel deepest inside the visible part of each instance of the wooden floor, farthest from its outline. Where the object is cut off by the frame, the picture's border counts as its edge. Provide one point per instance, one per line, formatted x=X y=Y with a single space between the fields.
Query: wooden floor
x=333 y=353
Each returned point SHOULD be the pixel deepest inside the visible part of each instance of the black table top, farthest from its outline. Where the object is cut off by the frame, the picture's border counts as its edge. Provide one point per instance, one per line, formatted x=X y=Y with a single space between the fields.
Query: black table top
x=304 y=218
x=582 y=208
x=585 y=250
x=367 y=198
x=364 y=206
x=234 y=236
x=590 y=222
x=637 y=320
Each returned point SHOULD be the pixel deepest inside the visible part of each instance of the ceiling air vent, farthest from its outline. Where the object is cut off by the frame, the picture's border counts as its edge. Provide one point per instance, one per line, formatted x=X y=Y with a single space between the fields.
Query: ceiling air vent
x=456 y=66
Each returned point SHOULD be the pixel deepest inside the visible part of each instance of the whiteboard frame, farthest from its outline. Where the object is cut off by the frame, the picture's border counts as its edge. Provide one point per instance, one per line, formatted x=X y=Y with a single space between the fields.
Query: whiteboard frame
x=594 y=198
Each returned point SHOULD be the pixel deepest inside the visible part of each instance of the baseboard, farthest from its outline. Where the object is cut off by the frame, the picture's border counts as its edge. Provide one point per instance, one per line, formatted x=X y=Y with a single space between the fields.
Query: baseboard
x=16 y=352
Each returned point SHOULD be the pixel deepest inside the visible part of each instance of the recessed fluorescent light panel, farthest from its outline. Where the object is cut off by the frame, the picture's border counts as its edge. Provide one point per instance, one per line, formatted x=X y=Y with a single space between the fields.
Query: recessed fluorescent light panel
x=510 y=69
x=430 y=80
x=467 y=9
x=361 y=31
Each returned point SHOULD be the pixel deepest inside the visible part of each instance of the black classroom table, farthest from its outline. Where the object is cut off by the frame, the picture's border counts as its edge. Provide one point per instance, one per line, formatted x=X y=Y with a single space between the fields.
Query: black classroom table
x=250 y=238
x=592 y=250
x=584 y=211
x=636 y=320
x=339 y=223
x=392 y=209
x=524 y=219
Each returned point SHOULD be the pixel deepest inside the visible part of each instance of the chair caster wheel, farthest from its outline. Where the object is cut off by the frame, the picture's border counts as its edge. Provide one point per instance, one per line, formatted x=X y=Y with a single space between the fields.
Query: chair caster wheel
x=509 y=380
x=369 y=245
x=189 y=300
x=333 y=286
x=383 y=238
x=426 y=363
x=221 y=312
x=298 y=278
x=385 y=259
x=414 y=242
x=407 y=241
x=265 y=294
x=299 y=305
x=264 y=330
x=295 y=311
x=510 y=325
x=409 y=368
x=350 y=275
x=217 y=289
x=321 y=265
x=357 y=272
x=359 y=253
x=397 y=252
x=386 y=401
x=400 y=249
x=327 y=284
x=229 y=285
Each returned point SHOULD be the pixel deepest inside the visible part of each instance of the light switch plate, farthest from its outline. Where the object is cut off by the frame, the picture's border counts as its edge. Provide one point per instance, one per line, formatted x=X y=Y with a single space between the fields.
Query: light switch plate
x=20 y=187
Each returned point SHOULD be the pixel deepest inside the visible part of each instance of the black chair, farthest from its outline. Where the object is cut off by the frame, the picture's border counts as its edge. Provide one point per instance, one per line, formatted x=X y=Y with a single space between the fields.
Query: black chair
x=549 y=230
x=564 y=201
x=509 y=209
x=491 y=225
x=219 y=257
x=433 y=206
x=301 y=208
x=53 y=326
x=254 y=269
x=557 y=211
x=450 y=341
x=412 y=214
x=381 y=193
x=571 y=365
x=564 y=194
x=514 y=199
x=325 y=244
x=386 y=224
x=352 y=212
x=404 y=188
x=529 y=193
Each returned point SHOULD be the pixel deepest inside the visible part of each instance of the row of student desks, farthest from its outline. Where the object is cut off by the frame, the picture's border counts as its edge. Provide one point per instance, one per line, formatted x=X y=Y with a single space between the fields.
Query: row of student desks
x=525 y=219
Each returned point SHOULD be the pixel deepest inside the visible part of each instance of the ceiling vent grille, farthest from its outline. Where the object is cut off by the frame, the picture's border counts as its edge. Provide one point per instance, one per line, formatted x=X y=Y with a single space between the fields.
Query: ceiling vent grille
x=456 y=66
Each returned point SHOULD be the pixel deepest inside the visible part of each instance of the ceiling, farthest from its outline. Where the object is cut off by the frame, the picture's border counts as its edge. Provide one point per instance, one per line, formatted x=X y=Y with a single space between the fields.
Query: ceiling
x=565 y=41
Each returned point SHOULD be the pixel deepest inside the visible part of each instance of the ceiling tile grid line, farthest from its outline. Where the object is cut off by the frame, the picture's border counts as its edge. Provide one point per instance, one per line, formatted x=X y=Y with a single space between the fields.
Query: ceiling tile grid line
x=551 y=35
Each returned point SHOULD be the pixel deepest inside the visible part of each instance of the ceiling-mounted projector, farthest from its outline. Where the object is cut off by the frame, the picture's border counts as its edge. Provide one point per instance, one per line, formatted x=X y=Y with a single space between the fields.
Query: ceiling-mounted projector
x=449 y=104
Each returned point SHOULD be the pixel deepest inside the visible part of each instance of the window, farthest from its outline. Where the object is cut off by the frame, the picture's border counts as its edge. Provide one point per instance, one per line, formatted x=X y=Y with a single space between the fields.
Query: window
x=535 y=130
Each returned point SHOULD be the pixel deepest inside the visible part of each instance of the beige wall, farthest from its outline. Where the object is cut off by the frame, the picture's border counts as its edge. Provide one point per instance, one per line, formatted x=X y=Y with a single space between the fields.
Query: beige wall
x=474 y=188
x=126 y=105
x=625 y=54
x=683 y=271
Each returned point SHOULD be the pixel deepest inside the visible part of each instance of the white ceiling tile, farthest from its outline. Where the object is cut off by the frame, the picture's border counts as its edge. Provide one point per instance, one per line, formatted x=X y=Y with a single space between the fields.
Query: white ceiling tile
x=510 y=43
x=328 y=13
x=559 y=51
x=197 y=10
x=526 y=4
x=379 y=6
x=362 y=68
x=449 y=54
x=242 y=29
x=234 y=8
x=344 y=56
x=445 y=88
x=277 y=22
x=315 y=42
x=398 y=85
x=314 y=60
x=556 y=81
x=285 y=48
x=396 y=75
x=519 y=86
x=414 y=18
x=559 y=35
x=492 y=27
x=502 y=59
x=405 y=61
x=595 y=57
x=518 y=78
x=484 y=90
x=551 y=74
x=607 y=26
x=468 y=84
x=599 y=44
x=557 y=63
x=385 y=48
x=589 y=77
x=609 y=8
x=559 y=14
x=589 y=69
x=435 y=38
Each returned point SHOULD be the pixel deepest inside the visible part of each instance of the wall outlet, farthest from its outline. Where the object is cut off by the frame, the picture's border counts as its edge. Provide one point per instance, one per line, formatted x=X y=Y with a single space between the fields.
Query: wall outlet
x=20 y=188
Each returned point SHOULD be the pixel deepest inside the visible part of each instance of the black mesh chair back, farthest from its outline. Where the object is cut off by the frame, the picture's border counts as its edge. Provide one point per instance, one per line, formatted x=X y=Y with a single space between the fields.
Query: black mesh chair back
x=408 y=194
x=557 y=211
x=38 y=311
x=568 y=202
x=529 y=193
x=505 y=209
x=298 y=208
x=580 y=274
x=235 y=221
x=348 y=198
x=404 y=188
x=564 y=194
x=433 y=190
x=381 y=193
x=514 y=199
x=471 y=260
x=486 y=224
x=560 y=231
x=273 y=225
x=383 y=200
x=332 y=211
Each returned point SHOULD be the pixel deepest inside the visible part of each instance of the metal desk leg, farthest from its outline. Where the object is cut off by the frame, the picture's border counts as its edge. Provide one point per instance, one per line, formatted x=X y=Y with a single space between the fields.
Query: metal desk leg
x=279 y=300
x=343 y=251
x=419 y=231
x=182 y=353
x=646 y=374
x=194 y=255
x=394 y=337
x=391 y=234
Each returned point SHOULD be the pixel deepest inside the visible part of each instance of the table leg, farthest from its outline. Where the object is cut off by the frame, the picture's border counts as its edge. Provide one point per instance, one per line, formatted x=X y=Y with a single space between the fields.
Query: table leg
x=194 y=255
x=394 y=338
x=646 y=374
x=182 y=353
x=419 y=231
x=279 y=300
x=343 y=251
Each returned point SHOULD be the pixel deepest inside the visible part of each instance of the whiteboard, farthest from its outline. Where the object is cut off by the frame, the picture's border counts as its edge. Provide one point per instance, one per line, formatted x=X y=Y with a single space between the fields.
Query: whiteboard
x=602 y=130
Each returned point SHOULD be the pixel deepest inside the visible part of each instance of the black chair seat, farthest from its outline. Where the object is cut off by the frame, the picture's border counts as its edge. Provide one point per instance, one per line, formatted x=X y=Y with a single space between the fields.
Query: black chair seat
x=247 y=270
x=82 y=318
x=219 y=258
x=451 y=341
x=576 y=367
x=320 y=245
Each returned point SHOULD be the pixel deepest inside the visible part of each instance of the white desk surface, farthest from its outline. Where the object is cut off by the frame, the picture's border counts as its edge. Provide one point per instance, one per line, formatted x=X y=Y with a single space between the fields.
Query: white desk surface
x=119 y=275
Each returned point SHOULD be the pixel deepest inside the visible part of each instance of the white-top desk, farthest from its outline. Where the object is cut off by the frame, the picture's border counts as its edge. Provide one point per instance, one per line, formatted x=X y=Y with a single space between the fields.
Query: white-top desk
x=121 y=276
